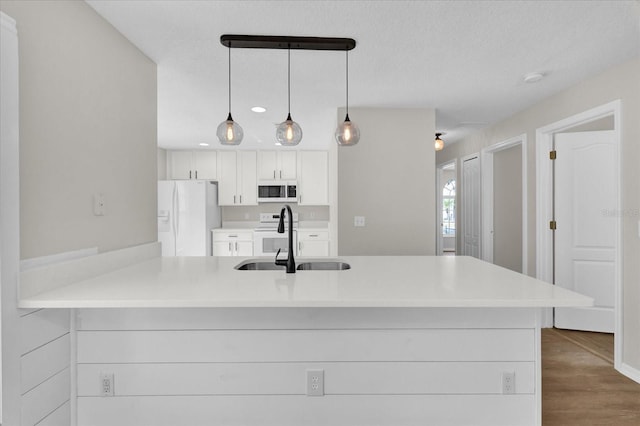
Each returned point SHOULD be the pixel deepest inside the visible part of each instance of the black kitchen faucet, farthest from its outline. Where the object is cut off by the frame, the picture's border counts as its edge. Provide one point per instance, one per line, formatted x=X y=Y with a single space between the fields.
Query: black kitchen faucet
x=290 y=263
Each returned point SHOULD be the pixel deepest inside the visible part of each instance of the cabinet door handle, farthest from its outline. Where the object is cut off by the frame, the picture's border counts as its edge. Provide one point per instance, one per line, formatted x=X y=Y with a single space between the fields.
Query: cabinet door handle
x=313 y=235
x=299 y=246
x=230 y=248
x=240 y=199
x=196 y=174
x=233 y=236
x=274 y=174
x=236 y=246
x=234 y=199
x=189 y=174
x=280 y=174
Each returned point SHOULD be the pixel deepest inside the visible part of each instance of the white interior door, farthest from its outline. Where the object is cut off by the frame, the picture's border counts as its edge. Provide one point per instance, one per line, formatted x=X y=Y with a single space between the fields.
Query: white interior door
x=471 y=221
x=586 y=238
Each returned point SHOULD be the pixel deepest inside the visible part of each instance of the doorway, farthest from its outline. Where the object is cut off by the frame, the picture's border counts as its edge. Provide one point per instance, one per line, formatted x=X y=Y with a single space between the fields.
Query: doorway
x=470 y=206
x=504 y=204
x=446 y=192
x=582 y=192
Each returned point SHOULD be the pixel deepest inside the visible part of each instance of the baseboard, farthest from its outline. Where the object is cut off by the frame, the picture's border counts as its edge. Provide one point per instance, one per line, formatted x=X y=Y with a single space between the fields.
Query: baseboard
x=630 y=372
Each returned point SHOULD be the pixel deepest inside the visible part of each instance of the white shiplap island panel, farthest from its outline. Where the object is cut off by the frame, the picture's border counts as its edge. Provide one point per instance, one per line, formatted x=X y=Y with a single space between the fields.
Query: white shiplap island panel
x=402 y=341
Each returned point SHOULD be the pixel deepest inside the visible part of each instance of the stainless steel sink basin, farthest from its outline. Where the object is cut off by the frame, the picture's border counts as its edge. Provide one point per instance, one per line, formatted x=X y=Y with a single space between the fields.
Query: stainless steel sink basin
x=259 y=265
x=310 y=265
x=328 y=265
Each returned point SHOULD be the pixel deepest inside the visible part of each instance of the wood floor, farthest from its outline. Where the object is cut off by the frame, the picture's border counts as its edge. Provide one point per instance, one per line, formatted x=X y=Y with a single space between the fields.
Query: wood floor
x=579 y=384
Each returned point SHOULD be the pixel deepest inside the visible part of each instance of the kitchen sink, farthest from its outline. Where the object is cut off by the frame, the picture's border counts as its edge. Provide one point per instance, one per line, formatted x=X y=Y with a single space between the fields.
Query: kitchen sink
x=259 y=265
x=315 y=265
x=323 y=265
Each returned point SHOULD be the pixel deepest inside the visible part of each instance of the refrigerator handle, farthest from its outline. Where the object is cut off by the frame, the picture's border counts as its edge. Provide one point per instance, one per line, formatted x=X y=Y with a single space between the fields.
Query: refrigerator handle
x=177 y=215
x=173 y=218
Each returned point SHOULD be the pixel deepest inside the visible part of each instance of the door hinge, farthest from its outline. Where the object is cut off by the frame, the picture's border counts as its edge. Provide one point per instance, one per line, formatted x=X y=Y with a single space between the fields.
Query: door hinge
x=552 y=225
x=552 y=155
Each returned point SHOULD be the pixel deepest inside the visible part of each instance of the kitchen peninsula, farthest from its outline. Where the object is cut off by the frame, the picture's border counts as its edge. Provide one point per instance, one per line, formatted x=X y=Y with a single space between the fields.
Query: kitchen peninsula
x=395 y=340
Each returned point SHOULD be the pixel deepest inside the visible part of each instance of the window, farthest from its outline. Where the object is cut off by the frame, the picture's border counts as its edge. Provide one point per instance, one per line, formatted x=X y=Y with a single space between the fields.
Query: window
x=449 y=208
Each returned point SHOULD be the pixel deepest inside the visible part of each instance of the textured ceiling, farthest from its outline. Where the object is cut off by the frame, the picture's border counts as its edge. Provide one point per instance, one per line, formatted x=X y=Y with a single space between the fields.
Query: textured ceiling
x=466 y=59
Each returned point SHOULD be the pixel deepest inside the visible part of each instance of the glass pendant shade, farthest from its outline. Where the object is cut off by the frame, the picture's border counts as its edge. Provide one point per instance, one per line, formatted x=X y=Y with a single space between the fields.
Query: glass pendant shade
x=347 y=133
x=229 y=132
x=289 y=133
x=439 y=144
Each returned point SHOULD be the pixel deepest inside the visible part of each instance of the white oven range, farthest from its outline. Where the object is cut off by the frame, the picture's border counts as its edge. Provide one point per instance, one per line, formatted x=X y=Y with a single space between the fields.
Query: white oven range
x=266 y=239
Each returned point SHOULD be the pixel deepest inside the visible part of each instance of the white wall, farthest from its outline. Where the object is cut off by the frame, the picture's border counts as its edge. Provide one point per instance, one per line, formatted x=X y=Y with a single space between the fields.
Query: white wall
x=87 y=125
x=619 y=82
x=389 y=178
x=9 y=221
x=507 y=208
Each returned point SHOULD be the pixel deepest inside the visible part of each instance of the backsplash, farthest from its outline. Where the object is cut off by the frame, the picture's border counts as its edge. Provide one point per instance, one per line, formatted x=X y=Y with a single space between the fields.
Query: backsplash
x=252 y=213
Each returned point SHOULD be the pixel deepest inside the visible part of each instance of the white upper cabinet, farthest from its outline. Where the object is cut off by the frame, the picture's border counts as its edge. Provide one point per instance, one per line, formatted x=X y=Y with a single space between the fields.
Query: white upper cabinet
x=179 y=164
x=205 y=164
x=277 y=165
x=313 y=178
x=237 y=183
x=192 y=165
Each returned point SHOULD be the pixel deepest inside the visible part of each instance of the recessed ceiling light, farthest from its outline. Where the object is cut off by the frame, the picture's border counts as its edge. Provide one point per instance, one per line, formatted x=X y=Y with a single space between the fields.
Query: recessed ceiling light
x=203 y=144
x=258 y=109
x=533 y=77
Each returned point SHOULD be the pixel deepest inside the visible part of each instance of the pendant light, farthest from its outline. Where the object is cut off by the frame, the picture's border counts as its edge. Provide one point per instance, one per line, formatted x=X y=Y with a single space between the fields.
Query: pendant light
x=347 y=133
x=439 y=144
x=289 y=132
x=229 y=132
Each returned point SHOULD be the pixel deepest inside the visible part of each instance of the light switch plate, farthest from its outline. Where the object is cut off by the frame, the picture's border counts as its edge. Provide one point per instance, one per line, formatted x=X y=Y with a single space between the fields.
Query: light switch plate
x=98 y=204
x=358 y=221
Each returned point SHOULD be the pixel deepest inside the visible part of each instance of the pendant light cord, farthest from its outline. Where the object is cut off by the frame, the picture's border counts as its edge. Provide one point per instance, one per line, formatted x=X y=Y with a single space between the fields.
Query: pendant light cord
x=289 y=77
x=229 y=78
x=347 y=52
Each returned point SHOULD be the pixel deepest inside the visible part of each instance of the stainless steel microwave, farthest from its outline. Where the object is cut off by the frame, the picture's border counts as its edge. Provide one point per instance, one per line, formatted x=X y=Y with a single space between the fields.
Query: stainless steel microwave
x=277 y=192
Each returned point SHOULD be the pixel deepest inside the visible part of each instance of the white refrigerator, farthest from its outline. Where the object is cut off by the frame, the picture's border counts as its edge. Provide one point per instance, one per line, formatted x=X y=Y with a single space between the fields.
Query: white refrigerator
x=187 y=211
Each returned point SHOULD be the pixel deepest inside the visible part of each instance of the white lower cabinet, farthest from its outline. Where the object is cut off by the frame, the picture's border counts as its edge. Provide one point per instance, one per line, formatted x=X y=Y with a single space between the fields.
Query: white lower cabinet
x=313 y=243
x=229 y=242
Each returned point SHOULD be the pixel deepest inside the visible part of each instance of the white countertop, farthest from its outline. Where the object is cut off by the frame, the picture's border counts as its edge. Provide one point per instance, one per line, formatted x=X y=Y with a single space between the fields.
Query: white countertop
x=372 y=281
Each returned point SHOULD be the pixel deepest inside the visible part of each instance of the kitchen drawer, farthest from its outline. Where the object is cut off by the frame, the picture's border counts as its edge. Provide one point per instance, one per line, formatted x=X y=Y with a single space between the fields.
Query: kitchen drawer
x=231 y=234
x=312 y=235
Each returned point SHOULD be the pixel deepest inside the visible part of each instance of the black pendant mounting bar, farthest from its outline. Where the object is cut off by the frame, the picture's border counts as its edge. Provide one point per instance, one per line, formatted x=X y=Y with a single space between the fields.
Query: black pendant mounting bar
x=286 y=42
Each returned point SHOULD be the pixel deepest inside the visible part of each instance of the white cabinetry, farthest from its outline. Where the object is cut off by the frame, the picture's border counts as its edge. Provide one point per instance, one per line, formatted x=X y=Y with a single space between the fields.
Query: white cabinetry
x=313 y=178
x=237 y=183
x=192 y=165
x=277 y=165
x=313 y=243
x=231 y=242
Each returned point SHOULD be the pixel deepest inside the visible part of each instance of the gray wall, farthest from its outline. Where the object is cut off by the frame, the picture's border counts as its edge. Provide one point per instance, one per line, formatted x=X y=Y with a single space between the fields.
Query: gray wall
x=162 y=164
x=389 y=178
x=87 y=125
x=619 y=82
x=507 y=208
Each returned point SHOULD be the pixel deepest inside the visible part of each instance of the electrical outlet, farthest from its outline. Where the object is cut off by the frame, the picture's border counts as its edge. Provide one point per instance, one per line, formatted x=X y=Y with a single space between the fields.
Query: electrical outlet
x=106 y=384
x=508 y=383
x=315 y=382
x=358 y=221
